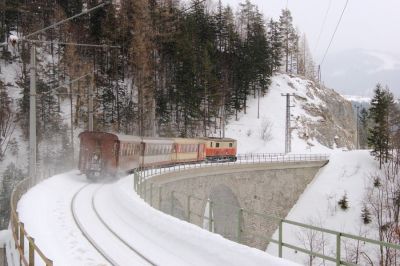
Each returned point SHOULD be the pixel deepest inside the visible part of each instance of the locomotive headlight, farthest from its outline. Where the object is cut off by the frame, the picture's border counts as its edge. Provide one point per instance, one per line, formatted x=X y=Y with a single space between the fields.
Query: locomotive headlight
x=13 y=39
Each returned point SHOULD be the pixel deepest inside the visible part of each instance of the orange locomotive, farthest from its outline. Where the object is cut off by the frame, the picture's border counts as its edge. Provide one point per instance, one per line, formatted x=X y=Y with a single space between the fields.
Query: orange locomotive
x=221 y=149
x=105 y=154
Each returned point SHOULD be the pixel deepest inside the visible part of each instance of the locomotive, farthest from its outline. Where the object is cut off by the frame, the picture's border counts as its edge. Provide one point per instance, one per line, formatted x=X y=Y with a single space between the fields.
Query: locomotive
x=106 y=154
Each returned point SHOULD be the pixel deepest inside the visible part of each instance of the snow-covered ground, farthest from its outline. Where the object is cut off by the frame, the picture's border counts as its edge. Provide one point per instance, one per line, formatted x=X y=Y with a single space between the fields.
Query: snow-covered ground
x=347 y=173
x=165 y=240
x=248 y=129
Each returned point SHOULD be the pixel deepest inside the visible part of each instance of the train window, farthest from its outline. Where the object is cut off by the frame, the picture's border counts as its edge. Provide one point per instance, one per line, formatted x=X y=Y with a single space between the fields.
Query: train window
x=211 y=144
x=217 y=145
x=230 y=145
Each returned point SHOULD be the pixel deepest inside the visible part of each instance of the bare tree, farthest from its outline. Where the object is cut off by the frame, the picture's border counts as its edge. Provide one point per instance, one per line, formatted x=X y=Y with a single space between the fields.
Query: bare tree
x=383 y=199
x=314 y=241
x=7 y=127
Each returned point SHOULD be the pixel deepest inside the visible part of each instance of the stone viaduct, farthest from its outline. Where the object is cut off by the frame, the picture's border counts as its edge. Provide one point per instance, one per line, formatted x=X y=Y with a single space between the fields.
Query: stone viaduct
x=238 y=193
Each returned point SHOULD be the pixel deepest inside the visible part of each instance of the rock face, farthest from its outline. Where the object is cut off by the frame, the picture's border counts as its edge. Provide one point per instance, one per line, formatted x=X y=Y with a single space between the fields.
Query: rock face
x=328 y=117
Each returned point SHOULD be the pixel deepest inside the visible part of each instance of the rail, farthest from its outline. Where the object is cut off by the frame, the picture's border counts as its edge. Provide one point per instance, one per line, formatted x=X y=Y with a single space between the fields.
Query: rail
x=260 y=158
x=149 y=190
x=20 y=235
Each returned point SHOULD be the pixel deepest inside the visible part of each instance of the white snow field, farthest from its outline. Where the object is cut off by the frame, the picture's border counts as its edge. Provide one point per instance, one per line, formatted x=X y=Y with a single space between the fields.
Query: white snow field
x=346 y=173
x=47 y=212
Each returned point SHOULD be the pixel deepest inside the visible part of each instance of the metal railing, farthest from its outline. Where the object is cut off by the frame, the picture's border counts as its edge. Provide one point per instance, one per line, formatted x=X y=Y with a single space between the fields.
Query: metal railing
x=19 y=233
x=252 y=159
x=149 y=190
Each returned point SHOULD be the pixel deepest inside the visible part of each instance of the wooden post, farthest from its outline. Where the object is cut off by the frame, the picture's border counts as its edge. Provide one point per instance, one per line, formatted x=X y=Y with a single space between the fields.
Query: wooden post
x=21 y=240
x=31 y=251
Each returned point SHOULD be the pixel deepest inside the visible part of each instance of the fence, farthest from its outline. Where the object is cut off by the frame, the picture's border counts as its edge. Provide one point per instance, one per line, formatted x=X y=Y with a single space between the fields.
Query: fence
x=241 y=160
x=20 y=235
x=148 y=191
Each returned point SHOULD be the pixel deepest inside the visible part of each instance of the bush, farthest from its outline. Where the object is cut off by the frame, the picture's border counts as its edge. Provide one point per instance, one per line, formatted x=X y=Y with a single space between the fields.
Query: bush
x=265 y=130
x=365 y=215
x=344 y=202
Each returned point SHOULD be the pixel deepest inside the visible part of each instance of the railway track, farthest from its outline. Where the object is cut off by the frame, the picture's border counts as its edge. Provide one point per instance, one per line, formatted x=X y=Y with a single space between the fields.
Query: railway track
x=117 y=241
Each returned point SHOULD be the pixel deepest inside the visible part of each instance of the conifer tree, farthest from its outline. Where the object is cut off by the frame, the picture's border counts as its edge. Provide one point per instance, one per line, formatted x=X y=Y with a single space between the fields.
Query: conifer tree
x=379 y=138
x=366 y=215
x=287 y=33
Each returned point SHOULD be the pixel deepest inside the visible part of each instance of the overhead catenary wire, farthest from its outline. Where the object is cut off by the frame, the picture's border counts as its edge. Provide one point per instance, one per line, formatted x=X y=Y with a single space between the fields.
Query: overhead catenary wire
x=334 y=33
x=322 y=26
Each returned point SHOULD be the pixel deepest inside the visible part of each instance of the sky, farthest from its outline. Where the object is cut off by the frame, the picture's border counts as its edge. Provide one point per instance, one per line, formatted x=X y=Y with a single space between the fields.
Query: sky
x=367 y=25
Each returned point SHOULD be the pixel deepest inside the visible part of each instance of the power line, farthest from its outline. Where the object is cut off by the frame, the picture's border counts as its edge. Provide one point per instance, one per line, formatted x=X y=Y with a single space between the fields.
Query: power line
x=323 y=26
x=334 y=33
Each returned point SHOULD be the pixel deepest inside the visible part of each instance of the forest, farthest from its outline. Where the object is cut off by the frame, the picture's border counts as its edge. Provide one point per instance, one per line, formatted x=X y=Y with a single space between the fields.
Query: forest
x=157 y=68
x=164 y=68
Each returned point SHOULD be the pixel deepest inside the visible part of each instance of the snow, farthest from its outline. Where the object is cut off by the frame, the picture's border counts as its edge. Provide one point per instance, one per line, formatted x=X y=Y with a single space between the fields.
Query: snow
x=347 y=173
x=4 y=237
x=247 y=129
x=355 y=98
x=165 y=239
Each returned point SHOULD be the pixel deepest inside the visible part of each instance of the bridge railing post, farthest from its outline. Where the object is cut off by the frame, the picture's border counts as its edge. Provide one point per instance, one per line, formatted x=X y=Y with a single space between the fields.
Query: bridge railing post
x=338 y=236
x=280 y=238
x=239 y=228
x=172 y=203
x=210 y=218
x=188 y=208
x=159 y=197
x=151 y=193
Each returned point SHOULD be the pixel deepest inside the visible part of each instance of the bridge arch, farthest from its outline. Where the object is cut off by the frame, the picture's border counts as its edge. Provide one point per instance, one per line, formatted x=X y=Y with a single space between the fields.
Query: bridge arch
x=225 y=211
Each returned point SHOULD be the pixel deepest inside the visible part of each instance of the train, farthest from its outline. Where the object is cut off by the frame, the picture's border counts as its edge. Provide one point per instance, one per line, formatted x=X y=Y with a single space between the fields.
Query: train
x=103 y=154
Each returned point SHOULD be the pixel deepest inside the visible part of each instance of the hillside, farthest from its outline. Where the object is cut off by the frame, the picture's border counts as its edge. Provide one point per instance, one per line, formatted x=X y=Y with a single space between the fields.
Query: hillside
x=321 y=119
x=348 y=172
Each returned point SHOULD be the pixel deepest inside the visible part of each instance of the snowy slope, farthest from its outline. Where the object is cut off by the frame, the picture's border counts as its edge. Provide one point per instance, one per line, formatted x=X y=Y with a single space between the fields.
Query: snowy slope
x=313 y=129
x=347 y=173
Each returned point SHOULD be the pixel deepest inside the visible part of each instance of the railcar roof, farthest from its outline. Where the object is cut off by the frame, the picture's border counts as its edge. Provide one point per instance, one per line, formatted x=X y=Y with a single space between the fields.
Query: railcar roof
x=220 y=139
x=128 y=138
x=188 y=140
x=158 y=140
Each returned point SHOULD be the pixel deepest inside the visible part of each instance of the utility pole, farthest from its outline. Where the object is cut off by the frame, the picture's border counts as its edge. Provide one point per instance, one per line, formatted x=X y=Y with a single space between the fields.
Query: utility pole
x=288 y=131
x=319 y=74
x=32 y=117
x=358 y=137
x=258 y=104
x=71 y=120
x=91 y=86
x=32 y=102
